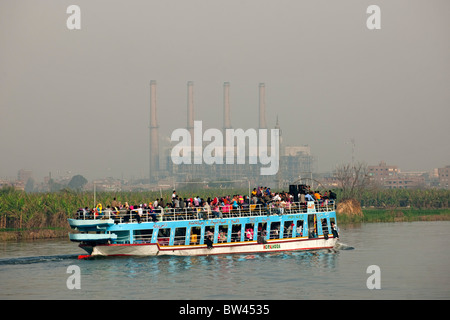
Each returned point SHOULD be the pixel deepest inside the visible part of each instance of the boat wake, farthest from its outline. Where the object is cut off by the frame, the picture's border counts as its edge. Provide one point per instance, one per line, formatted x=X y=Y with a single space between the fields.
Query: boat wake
x=343 y=246
x=37 y=259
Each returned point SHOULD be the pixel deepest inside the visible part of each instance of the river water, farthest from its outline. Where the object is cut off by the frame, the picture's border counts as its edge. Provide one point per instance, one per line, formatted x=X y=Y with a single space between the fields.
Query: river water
x=413 y=260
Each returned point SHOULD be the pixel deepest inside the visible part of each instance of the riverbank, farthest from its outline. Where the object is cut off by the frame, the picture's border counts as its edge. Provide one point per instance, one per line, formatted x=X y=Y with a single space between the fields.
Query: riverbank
x=396 y=215
x=33 y=234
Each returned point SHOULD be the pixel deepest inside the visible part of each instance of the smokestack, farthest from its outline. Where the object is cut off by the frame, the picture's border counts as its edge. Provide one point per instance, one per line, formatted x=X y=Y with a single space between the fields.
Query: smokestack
x=190 y=109
x=154 y=145
x=262 y=106
x=226 y=106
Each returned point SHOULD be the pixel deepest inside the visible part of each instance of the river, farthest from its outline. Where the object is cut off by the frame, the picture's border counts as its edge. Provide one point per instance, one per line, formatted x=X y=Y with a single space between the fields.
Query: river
x=411 y=261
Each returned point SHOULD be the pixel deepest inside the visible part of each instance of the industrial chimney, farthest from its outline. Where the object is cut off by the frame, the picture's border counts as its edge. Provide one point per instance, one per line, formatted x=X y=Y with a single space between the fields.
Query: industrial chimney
x=262 y=106
x=190 y=107
x=226 y=106
x=154 y=145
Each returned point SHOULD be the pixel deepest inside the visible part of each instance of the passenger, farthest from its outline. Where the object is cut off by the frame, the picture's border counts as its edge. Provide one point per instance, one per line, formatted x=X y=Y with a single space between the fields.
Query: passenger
x=85 y=213
x=209 y=243
x=152 y=214
x=216 y=211
x=182 y=203
x=226 y=209
x=249 y=233
x=282 y=206
x=234 y=203
x=308 y=197
x=207 y=209
x=331 y=195
x=107 y=213
x=302 y=198
x=299 y=230
x=317 y=195
x=114 y=204
x=176 y=202
x=334 y=230
x=276 y=197
x=288 y=231
x=222 y=237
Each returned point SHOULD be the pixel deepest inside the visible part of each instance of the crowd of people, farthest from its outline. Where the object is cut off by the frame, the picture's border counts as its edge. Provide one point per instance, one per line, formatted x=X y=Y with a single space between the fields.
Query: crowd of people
x=260 y=197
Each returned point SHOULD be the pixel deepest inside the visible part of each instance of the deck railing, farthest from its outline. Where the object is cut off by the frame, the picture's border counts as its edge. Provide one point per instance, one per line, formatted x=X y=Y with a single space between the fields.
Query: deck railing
x=194 y=213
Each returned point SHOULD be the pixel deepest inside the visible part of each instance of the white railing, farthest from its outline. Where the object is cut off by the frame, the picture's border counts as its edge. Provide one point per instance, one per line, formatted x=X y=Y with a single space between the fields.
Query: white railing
x=194 y=213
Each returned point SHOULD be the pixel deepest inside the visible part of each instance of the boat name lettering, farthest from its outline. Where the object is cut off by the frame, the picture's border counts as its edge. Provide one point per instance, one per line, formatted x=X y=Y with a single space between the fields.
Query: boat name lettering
x=214 y=222
x=272 y=246
x=200 y=223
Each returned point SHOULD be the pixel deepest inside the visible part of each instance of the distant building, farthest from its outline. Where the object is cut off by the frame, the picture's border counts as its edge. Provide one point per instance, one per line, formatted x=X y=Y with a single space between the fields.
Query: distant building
x=382 y=171
x=443 y=177
x=390 y=177
x=23 y=175
x=404 y=182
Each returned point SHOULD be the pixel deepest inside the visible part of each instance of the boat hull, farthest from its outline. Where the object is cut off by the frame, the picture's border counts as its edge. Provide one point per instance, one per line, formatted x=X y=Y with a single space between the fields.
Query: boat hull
x=154 y=249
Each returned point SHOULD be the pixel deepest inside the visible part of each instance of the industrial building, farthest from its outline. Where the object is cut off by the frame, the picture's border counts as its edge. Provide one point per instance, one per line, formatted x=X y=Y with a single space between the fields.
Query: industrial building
x=293 y=160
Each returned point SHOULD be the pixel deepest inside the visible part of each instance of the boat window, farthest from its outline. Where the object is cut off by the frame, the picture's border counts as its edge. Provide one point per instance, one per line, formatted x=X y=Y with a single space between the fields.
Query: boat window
x=195 y=235
x=143 y=236
x=299 y=228
x=180 y=236
x=333 y=228
x=123 y=236
x=236 y=233
x=262 y=229
x=262 y=232
x=288 y=227
x=275 y=230
x=325 y=230
x=164 y=236
x=249 y=231
x=312 y=226
x=223 y=233
x=209 y=233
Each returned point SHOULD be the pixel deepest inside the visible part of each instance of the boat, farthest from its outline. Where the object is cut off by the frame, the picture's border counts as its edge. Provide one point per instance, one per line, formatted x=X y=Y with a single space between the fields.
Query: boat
x=193 y=231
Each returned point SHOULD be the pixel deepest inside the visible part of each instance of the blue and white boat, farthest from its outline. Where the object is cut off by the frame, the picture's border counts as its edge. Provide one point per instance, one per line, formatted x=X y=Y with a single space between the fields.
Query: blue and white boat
x=197 y=231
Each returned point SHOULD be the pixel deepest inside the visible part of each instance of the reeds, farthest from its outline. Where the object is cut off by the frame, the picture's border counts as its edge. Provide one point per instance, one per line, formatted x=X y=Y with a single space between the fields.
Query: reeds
x=21 y=210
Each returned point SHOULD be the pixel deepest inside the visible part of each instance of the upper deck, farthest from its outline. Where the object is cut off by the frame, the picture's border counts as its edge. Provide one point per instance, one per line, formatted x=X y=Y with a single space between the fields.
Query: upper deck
x=195 y=213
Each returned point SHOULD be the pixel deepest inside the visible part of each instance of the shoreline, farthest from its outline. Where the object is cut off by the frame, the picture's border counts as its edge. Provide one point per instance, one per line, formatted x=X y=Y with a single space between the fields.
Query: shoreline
x=370 y=215
x=33 y=234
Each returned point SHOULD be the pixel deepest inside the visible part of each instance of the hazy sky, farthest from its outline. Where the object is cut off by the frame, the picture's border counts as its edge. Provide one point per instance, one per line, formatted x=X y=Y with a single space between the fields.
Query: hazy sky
x=78 y=100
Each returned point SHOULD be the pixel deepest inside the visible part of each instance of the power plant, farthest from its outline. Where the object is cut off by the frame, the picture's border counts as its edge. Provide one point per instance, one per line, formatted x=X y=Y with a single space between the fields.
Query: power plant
x=293 y=160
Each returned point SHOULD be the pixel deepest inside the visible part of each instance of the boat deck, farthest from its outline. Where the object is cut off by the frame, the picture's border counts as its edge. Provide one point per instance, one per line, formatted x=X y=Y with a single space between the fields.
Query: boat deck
x=195 y=213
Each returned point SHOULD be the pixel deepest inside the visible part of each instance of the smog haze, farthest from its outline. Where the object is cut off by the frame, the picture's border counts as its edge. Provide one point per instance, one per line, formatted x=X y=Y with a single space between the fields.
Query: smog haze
x=79 y=100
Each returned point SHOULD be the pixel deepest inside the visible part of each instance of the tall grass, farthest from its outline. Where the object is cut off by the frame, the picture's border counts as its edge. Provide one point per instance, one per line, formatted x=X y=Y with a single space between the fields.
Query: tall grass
x=21 y=210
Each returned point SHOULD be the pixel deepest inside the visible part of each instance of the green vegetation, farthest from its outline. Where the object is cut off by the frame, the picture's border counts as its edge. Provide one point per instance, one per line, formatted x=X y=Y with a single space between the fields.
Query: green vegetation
x=48 y=212
x=396 y=215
